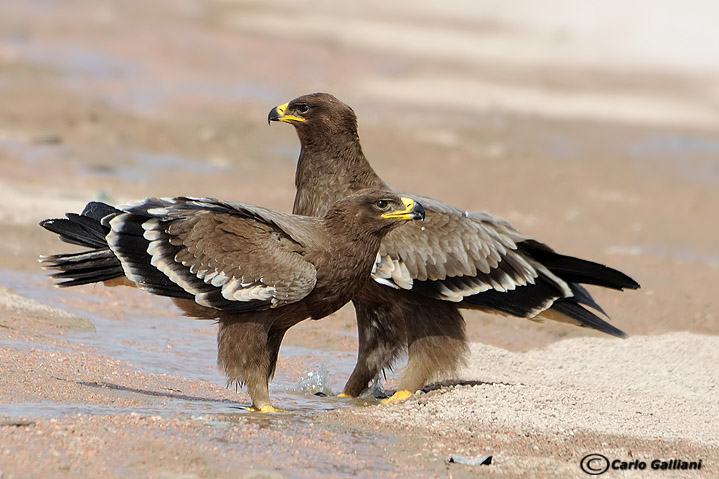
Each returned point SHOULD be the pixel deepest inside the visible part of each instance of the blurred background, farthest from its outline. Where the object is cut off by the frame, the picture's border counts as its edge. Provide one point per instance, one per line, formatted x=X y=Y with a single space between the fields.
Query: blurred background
x=592 y=126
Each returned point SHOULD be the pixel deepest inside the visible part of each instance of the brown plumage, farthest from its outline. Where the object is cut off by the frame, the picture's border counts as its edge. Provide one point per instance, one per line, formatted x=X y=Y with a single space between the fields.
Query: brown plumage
x=257 y=272
x=424 y=274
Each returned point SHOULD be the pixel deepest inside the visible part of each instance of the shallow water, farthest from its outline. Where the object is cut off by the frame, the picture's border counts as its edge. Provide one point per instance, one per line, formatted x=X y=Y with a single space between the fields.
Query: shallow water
x=174 y=345
x=142 y=165
x=132 y=166
x=126 y=82
x=693 y=156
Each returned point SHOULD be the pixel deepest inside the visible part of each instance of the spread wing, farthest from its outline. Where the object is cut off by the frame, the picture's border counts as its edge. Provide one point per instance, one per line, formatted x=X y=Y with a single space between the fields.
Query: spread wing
x=456 y=255
x=227 y=256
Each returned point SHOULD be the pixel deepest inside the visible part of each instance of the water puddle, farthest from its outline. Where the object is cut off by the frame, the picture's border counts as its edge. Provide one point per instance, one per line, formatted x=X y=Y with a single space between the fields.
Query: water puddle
x=141 y=165
x=138 y=331
x=563 y=147
x=153 y=337
x=695 y=157
x=131 y=83
x=132 y=166
x=33 y=154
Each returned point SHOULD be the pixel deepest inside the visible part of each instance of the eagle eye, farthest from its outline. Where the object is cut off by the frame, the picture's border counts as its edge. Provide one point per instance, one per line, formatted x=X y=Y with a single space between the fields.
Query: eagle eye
x=303 y=108
x=382 y=204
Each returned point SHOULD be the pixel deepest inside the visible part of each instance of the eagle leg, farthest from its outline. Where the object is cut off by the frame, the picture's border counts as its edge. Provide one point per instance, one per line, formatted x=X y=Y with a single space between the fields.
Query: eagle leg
x=243 y=353
x=437 y=345
x=274 y=340
x=381 y=339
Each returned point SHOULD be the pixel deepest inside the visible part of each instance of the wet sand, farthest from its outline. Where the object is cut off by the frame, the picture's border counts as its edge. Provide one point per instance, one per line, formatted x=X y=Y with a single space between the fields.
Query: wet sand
x=596 y=155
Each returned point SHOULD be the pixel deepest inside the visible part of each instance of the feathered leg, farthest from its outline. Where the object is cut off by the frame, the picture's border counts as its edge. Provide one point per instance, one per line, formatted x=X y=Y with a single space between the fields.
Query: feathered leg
x=244 y=355
x=274 y=340
x=437 y=345
x=380 y=327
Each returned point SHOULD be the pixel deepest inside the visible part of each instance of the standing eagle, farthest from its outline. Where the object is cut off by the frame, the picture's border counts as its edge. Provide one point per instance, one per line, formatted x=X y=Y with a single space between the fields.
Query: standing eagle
x=257 y=272
x=424 y=274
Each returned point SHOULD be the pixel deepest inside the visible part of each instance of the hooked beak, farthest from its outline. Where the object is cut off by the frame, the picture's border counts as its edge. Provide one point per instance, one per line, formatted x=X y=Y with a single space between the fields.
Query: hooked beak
x=278 y=114
x=413 y=210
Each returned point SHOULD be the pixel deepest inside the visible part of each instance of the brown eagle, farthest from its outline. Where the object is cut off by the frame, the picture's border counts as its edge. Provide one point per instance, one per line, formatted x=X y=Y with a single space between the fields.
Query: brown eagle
x=256 y=271
x=425 y=273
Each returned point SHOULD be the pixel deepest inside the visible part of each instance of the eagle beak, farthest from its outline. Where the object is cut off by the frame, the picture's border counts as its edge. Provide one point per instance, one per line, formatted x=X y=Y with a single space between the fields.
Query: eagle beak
x=278 y=114
x=413 y=210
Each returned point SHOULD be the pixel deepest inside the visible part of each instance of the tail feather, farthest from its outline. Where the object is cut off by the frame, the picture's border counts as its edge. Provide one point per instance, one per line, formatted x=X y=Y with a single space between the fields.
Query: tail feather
x=575 y=271
x=83 y=268
x=80 y=260
x=84 y=229
x=72 y=231
x=98 y=210
x=96 y=265
x=582 y=296
x=572 y=309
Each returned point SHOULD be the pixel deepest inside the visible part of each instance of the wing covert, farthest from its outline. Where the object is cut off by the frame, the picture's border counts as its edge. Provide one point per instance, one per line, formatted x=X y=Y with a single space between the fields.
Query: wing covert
x=455 y=254
x=225 y=255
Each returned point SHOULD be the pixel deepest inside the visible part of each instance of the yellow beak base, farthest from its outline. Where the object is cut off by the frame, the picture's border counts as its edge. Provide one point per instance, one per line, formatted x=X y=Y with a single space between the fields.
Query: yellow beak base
x=412 y=211
x=278 y=114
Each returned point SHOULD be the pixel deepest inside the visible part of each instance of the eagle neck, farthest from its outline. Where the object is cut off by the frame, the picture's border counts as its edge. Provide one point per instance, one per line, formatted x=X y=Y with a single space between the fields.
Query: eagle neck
x=347 y=239
x=327 y=171
x=359 y=244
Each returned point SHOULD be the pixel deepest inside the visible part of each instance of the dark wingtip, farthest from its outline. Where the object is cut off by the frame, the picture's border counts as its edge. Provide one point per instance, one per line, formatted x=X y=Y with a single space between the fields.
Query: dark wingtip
x=621 y=280
x=632 y=284
x=575 y=311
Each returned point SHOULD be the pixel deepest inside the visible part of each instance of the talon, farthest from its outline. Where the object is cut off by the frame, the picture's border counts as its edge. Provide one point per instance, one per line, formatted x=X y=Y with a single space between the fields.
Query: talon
x=266 y=408
x=397 y=397
x=343 y=395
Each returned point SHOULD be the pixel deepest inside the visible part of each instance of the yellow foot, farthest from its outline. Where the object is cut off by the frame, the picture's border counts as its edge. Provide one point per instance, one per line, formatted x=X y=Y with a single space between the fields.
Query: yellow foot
x=398 y=396
x=266 y=408
x=343 y=395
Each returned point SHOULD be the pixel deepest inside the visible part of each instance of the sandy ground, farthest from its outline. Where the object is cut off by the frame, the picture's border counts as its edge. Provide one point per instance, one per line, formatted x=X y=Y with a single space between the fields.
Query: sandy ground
x=544 y=410
x=595 y=133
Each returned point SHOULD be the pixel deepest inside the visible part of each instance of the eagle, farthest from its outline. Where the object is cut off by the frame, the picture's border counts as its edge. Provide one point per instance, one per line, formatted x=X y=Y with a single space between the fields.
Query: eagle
x=257 y=272
x=424 y=274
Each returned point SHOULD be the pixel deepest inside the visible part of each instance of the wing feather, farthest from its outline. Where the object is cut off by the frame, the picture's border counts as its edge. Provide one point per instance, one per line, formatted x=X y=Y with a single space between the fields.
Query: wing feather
x=224 y=255
x=455 y=255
